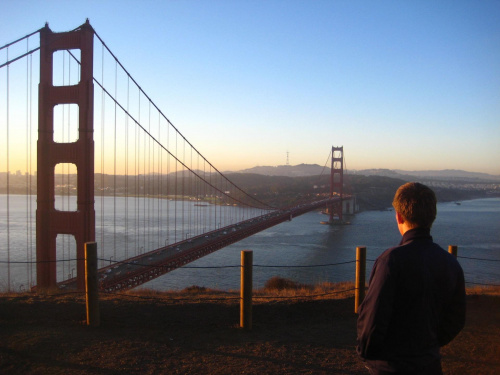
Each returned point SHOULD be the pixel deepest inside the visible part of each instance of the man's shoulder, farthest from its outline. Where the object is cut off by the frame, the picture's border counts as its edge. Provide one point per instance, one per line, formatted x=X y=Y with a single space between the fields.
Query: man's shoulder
x=388 y=256
x=413 y=250
x=393 y=251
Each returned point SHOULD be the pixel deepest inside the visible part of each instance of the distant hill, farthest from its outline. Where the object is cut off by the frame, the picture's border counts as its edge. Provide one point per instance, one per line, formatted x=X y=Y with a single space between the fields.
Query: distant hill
x=451 y=173
x=443 y=175
x=300 y=170
x=303 y=170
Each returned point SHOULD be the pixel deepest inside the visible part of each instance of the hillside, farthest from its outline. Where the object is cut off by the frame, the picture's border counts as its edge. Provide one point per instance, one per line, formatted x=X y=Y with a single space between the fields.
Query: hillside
x=374 y=189
x=286 y=170
x=372 y=192
x=301 y=170
x=196 y=332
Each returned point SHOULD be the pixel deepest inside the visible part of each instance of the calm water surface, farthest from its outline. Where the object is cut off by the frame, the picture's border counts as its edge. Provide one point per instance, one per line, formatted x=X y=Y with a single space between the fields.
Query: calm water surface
x=473 y=225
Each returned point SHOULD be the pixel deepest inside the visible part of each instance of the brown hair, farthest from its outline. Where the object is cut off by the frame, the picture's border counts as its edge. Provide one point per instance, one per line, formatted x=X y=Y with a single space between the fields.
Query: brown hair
x=416 y=203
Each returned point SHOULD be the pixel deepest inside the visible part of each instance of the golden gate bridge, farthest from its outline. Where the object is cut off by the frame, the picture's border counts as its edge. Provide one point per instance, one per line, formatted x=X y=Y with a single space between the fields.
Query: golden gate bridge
x=88 y=136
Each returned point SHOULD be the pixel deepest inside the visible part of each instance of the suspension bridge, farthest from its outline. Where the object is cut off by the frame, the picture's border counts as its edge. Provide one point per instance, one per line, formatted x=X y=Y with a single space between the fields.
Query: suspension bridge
x=106 y=165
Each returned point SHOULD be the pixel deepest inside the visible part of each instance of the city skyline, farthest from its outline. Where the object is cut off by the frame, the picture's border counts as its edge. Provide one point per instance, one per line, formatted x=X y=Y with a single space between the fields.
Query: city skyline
x=411 y=86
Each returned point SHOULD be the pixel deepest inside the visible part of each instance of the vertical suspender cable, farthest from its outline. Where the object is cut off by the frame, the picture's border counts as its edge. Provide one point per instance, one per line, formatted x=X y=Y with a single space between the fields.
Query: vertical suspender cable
x=136 y=192
x=114 y=166
x=68 y=190
x=137 y=162
x=192 y=231
x=144 y=194
x=151 y=190
x=147 y=147
x=8 y=181
x=139 y=179
x=137 y=184
x=214 y=198
x=219 y=186
x=28 y=197
x=66 y=238
x=160 y=177
x=197 y=195
x=168 y=186
x=204 y=193
x=62 y=139
x=126 y=168
x=188 y=195
x=184 y=173
x=175 y=192
x=103 y=120
x=30 y=227
x=207 y=215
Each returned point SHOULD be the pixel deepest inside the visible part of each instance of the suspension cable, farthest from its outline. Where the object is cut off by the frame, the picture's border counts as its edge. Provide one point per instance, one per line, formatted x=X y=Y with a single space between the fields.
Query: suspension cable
x=20 y=39
x=171 y=124
x=177 y=132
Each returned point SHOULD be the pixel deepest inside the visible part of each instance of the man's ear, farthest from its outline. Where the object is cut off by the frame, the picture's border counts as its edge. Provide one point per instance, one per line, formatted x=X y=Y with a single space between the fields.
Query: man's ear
x=399 y=218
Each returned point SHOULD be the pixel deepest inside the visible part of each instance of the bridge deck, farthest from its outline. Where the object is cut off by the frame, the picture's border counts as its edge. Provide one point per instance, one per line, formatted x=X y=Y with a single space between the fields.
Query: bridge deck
x=143 y=268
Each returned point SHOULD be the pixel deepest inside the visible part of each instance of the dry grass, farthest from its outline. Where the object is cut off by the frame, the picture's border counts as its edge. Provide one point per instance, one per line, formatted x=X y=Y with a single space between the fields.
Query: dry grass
x=297 y=329
x=484 y=290
x=277 y=289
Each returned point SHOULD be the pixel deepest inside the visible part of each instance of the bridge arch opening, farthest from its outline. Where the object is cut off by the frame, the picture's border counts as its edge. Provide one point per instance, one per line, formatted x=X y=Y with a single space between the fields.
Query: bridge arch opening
x=65 y=70
x=65 y=187
x=66 y=257
x=66 y=123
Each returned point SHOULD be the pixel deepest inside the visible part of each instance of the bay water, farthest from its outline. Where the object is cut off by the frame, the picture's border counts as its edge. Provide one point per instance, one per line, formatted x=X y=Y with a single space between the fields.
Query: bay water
x=474 y=226
x=302 y=250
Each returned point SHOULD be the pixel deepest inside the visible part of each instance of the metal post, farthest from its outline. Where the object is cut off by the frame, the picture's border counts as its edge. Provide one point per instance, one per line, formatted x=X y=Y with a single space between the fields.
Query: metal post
x=360 y=277
x=91 y=287
x=452 y=249
x=246 y=290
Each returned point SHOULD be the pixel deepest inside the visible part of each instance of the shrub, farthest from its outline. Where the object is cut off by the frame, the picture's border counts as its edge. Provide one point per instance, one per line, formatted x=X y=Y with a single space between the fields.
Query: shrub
x=280 y=283
x=195 y=289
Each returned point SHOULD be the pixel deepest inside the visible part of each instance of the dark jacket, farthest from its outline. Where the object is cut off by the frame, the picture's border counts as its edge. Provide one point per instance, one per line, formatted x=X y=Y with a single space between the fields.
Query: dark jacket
x=415 y=304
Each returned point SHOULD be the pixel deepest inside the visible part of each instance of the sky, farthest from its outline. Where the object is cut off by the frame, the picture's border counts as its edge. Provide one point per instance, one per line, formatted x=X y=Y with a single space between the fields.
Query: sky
x=412 y=85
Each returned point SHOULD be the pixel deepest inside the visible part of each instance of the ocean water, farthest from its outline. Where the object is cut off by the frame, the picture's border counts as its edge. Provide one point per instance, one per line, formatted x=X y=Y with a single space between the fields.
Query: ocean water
x=303 y=250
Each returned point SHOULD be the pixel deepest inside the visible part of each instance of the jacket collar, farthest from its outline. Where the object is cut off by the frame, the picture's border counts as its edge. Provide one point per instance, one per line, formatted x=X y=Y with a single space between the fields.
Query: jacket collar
x=416 y=233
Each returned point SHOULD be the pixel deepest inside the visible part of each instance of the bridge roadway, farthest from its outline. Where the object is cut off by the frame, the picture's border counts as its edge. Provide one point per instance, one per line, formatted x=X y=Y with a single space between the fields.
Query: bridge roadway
x=143 y=268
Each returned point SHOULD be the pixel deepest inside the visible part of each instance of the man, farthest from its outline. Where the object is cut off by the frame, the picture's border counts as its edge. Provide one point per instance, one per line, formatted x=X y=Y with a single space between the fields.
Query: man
x=415 y=301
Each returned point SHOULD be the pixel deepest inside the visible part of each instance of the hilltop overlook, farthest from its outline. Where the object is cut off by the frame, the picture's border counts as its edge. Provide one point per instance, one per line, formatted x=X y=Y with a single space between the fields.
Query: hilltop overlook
x=196 y=331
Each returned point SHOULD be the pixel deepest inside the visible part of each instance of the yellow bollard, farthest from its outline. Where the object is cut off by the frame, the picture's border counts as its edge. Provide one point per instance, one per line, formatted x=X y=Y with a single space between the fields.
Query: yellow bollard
x=246 y=290
x=453 y=249
x=91 y=287
x=360 y=277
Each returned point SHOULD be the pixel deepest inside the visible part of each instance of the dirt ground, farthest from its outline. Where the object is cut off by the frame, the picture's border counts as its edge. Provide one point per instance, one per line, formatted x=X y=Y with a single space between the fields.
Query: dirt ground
x=151 y=334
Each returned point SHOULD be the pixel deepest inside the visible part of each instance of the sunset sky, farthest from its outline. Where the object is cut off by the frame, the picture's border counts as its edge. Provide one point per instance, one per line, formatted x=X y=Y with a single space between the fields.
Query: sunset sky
x=411 y=85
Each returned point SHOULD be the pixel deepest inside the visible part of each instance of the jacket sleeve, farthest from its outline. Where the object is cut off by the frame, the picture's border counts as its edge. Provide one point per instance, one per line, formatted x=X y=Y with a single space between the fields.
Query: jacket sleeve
x=375 y=312
x=453 y=317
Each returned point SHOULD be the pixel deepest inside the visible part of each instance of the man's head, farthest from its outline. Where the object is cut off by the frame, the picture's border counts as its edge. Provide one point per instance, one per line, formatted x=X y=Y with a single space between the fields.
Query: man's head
x=416 y=203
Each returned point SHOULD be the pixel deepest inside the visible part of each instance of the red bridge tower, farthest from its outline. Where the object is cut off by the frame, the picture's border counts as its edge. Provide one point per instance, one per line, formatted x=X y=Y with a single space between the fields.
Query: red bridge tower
x=49 y=221
x=337 y=182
